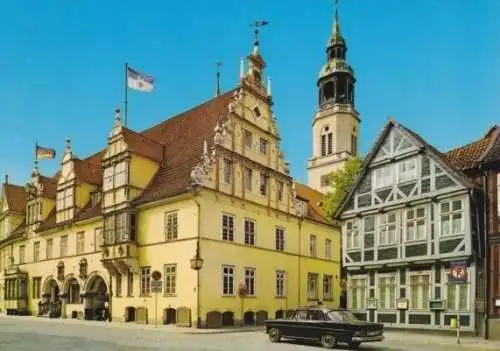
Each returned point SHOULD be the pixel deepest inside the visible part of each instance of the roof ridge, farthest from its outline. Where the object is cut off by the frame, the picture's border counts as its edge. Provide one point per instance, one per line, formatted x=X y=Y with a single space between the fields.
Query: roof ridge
x=180 y=114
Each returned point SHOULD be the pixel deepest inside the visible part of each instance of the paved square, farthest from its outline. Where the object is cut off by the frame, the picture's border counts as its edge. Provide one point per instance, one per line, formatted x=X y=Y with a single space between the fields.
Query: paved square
x=31 y=334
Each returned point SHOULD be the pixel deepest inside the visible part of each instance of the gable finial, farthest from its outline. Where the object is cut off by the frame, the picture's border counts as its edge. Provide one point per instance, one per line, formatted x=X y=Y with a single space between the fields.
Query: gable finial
x=6 y=178
x=218 y=64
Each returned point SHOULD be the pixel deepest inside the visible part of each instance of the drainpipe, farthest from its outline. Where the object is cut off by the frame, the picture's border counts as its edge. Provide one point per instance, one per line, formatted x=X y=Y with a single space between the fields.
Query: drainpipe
x=198 y=310
x=486 y=253
x=299 y=290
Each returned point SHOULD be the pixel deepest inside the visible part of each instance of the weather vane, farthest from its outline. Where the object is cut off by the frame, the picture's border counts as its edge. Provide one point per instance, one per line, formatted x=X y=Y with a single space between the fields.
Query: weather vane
x=257 y=25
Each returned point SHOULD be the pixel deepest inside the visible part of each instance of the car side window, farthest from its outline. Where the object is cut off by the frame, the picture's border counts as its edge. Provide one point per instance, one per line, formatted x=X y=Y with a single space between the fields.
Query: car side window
x=316 y=316
x=301 y=315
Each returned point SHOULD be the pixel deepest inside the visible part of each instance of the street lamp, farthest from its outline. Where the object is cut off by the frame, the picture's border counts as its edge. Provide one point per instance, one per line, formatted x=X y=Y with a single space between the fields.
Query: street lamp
x=197 y=261
x=197 y=264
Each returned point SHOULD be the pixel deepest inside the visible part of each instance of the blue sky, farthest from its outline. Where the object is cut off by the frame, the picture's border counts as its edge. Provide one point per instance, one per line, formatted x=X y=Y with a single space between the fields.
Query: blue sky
x=431 y=64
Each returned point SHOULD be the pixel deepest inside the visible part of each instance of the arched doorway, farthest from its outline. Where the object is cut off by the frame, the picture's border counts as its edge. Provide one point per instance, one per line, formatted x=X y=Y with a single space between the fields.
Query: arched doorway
x=50 y=305
x=72 y=291
x=96 y=298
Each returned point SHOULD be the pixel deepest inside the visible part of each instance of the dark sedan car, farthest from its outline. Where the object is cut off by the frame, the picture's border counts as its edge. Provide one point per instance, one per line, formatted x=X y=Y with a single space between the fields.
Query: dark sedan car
x=328 y=326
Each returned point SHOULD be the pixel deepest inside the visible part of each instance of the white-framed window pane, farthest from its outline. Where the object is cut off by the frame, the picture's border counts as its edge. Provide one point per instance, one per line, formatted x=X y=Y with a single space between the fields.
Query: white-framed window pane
x=280 y=283
x=250 y=281
x=228 y=227
x=227 y=280
x=386 y=292
x=357 y=293
x=170 y=272
x=249 y=232
x=420 y=290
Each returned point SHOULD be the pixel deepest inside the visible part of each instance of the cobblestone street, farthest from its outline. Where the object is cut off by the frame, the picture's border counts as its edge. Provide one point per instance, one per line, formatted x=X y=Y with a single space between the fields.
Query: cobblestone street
x=30 y=334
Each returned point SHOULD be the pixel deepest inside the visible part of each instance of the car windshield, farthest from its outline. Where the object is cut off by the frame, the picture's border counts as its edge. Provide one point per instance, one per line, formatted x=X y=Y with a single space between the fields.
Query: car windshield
x=342 y=316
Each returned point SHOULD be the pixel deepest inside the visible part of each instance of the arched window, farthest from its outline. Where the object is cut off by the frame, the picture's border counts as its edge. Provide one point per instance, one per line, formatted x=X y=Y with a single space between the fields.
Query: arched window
x=326 y=141
x=328 y=91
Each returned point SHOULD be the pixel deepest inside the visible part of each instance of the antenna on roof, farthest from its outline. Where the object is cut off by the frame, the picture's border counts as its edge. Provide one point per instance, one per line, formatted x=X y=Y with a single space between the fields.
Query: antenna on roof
x=218 y=64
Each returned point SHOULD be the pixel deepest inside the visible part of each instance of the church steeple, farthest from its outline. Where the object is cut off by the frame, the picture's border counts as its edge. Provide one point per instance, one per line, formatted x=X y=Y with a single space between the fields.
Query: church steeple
x=336 y=79
x=336 y=122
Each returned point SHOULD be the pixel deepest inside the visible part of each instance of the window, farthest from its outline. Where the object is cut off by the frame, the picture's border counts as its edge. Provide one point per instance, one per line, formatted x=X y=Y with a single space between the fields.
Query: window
x=247 y=139
x=63 y=246
x=357 y=293
x=74 y=292
x=249 y=231
x=387 y=229
x=328 y=287
x=118 y=288
x=145 y=281
x=264 y=178
x=98 y=238
x=120 y=177
x=457 y=296
x=109 y=230
x=115 y=176
x=407 y=170
x=382 y=177
x=312 y=246
x=37 y=287
x=170 y=278
x=263 y=146
x=386 y=292
x=130 y=284
x=227 y=227
x=248 y=179
x=415 y=224
x=312 y=286
x=325 y=180
x=22 y=254
x=95 y=198
x=65 y=199
x=256 y=109
x=281 y=187
x=352 y=235
x=80 y=242
x=34 y=211
x=452 y=219
x=280 y=239
x=227 y=169
x=326 y=141
x=354 y=145
x=250 y=281
x=121 y=227
x=328 y=249
x=171 y=225
x=280 y=283
x=36 y=251
x=227 y=280
x=420 y=291
x=49 y=243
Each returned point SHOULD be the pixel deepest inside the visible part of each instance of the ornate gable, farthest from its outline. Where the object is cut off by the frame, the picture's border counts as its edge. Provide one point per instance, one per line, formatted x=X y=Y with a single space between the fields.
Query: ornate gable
x=401 y=168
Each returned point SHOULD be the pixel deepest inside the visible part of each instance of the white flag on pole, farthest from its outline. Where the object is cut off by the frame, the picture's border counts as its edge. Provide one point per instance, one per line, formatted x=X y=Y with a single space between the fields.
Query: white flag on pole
x=139 y=81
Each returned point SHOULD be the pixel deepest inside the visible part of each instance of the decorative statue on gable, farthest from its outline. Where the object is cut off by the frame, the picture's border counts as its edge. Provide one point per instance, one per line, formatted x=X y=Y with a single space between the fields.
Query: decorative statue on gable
x=83 y=268
x=60 y=271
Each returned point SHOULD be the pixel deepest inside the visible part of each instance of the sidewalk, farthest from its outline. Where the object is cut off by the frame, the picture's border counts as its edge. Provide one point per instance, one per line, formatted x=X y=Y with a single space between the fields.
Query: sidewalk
x=123 y=325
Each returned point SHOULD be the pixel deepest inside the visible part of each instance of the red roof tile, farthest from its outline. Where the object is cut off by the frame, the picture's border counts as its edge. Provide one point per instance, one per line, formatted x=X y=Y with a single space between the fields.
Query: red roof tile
x=313 y=198
x=16 y=197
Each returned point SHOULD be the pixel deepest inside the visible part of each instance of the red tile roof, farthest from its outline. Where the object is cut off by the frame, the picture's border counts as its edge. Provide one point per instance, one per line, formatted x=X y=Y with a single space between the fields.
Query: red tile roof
x=16 y=197
x=469 y=156
x=313 y=198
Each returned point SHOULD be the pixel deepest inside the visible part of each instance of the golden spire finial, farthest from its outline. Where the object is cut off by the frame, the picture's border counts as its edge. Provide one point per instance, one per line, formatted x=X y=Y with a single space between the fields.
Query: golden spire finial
x=336 y=25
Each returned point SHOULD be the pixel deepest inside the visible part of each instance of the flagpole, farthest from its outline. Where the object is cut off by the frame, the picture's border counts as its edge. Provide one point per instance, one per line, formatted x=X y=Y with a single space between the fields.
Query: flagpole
x=126 y=93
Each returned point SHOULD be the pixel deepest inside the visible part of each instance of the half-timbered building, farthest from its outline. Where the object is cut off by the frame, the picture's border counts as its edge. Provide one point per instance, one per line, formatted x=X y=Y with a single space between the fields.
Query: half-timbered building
x=407 y=217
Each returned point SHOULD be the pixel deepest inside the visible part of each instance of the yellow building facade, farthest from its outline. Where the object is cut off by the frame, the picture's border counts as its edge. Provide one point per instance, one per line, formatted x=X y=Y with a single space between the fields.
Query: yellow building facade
x=205 y=198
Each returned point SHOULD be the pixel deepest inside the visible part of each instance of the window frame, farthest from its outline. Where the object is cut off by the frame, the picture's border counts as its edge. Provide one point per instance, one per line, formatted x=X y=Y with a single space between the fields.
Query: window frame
x=227 y=171
x=248 y=179
x=249 y=228
x=328 y=287
x=170 y=273
x=49 y=249
x=414 y=222
x=328 y=249
x=280 y=286
x=385 y=227
x=383 y=177
x=313 y=245
x=421 y=304
x=36 y=251
x=263 y=146
x=352 y=235
x=80 y=242
x=230 y=275
x=408 y=174
x=63 y=238
x=354 y=288
x=250 y=281
x=389 y=302
x=279 y=234
x=450 y=214
x=312 y=289
x=145 y=281
x=247 y=139
x=171 y=225
x=228 y=230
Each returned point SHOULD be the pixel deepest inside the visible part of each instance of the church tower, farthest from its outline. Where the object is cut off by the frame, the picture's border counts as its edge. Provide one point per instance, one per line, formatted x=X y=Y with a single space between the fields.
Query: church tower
x=336 y=123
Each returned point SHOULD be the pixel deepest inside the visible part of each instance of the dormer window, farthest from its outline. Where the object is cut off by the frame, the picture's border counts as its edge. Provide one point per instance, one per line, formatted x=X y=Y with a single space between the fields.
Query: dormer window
x=34 y=212
x=95 y=198
x=65 y=204
x=115 y=176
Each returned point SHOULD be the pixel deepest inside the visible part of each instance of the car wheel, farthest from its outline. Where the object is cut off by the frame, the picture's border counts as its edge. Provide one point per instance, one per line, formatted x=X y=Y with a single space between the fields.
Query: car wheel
x=354 y=345
x=274 y=335
x=328 y=341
